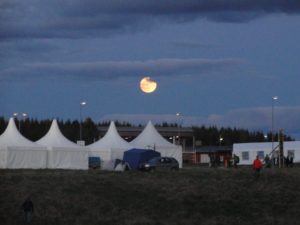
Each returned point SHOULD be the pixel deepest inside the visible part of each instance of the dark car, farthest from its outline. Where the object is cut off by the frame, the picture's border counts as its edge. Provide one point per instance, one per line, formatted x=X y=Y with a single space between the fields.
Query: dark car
x=160 y=163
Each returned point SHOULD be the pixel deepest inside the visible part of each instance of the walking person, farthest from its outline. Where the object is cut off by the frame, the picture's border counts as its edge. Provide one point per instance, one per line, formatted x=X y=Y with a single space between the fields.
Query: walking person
x=257 y=165
x=28 y=210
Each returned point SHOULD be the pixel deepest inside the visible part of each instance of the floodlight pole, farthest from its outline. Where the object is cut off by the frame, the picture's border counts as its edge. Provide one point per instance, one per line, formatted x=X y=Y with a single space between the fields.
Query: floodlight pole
x=23 y=115
x=272 y=132
x=178 y=128
x=220 y=139
x=23 y=118
x=80 y=122
x=15 y=115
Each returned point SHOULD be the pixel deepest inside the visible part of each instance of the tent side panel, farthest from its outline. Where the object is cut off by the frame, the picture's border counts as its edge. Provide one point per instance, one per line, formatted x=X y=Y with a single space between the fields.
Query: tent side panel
x=26 y=159
x=69 y=159
x=104 y=154
x=117 y=154
x=132 y=158
x=3 y=158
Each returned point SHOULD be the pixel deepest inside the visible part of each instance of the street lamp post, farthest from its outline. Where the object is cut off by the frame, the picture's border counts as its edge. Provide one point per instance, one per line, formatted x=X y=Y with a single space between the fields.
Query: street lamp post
x=22 y=116
x=274 y=98
x=178 y=128
x=15 y=115
x=220 y=139
x=80 y=123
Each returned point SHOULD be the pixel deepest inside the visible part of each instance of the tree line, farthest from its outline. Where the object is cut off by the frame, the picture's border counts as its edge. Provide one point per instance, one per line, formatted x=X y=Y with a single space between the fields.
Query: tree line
x=228 y=136
x=34 y=129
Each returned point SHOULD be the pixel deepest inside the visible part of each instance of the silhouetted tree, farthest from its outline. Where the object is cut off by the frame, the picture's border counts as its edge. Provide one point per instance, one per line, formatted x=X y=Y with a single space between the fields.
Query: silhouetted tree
x=90 y=131
x=3 y=125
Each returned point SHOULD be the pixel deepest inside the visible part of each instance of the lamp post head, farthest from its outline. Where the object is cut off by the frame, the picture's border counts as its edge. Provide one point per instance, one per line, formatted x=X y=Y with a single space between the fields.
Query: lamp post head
x=275 y=97
x=178 y=114
x=15 y=114
x=24 y=114
x=82 y=103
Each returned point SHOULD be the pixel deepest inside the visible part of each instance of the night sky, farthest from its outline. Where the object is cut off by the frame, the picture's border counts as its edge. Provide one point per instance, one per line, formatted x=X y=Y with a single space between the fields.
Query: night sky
x=216 y=62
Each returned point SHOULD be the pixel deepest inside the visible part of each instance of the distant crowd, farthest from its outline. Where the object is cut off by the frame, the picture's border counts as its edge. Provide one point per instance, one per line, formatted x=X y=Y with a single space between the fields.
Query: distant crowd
x=257 y=165
x=267 y=161
x=215 y=160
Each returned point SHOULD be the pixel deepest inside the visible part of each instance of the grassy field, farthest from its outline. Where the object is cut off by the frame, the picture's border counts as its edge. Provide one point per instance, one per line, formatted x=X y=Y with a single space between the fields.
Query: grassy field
x=193 y=195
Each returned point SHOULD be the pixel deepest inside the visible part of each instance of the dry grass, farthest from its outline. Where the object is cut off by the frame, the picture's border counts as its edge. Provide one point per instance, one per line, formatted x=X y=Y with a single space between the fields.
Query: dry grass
x=193 y=195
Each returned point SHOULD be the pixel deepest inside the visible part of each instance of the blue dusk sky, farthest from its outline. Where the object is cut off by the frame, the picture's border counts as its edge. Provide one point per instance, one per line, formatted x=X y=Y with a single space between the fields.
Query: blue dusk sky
x=215 y=62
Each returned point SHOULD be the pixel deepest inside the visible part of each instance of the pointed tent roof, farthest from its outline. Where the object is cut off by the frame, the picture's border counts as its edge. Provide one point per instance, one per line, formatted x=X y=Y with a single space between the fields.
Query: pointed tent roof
x=111 y=140
x=54 y=138
x=12 y=137
x=150 y=137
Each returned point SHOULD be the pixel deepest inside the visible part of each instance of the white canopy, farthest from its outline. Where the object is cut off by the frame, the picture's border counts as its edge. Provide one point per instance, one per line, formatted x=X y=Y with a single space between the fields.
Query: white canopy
x=62 y=153
x=16 y=151
x=54 y=138
x=150 y=138
x=111 y=146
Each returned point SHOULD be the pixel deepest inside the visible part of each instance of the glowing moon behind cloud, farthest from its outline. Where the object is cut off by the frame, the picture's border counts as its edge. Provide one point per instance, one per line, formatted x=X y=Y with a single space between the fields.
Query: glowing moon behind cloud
x=147 y=85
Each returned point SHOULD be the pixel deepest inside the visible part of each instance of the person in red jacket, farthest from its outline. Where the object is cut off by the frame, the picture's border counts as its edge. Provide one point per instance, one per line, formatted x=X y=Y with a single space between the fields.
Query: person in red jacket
x=257 y=165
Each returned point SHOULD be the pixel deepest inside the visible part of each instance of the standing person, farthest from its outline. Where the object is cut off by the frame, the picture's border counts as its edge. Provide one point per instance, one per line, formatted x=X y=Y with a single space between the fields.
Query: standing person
x=217 y=160
x=28 y=210
x=267 y=161
x=291 y=160
x=236 y=160
x=257 y=165
x=211 y=160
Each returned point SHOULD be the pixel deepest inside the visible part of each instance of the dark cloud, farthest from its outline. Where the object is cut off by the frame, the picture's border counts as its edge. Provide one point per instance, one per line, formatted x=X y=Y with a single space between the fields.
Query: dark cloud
x=104 y=70
x=78 y=18
x=27 y=48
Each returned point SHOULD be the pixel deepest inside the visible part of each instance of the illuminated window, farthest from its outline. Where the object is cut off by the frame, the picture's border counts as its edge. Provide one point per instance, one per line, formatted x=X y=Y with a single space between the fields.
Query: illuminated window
x=261 y=154
x=245 y=155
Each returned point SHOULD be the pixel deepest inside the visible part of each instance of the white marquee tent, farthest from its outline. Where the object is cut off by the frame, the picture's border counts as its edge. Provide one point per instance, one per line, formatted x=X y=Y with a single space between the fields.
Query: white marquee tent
x=111 y=146
x=17 y=152
x=248 y=151
x=62 y=153
x=150 y=138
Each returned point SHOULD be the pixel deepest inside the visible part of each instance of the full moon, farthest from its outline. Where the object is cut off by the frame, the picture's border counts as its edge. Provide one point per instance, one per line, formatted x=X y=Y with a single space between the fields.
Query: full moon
x=147 y=85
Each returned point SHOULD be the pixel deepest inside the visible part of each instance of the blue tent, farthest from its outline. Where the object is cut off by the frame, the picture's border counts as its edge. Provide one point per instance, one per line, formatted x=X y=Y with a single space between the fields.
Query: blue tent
x=134 y=157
